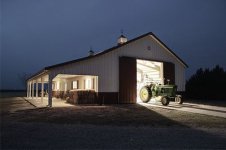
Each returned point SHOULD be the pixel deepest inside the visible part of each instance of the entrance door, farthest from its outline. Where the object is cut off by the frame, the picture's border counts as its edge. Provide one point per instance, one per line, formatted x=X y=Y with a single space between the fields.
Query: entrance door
x=127 y=80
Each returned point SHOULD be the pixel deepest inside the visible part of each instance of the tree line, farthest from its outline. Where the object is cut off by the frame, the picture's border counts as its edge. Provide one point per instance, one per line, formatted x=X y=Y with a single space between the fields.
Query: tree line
x=207 y=84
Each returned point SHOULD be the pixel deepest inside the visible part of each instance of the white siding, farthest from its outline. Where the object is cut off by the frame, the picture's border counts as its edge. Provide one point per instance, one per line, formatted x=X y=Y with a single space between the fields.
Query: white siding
x=106 y=66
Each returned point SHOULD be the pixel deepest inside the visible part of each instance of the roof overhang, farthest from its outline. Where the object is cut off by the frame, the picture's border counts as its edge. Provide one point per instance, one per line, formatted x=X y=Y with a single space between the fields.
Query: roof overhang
x=37 y=75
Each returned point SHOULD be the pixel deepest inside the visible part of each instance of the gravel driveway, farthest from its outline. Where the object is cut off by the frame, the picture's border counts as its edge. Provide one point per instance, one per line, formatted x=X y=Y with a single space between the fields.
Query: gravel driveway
x=217 y=111
x=109 y=127
x=55 y=136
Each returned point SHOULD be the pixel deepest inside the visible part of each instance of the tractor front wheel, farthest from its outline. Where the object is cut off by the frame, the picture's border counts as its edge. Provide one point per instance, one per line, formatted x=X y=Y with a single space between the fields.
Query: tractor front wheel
x=145 y=94
x=165 y=100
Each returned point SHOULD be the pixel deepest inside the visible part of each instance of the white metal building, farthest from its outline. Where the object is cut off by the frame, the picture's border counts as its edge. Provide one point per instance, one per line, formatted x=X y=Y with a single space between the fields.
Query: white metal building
x=115 y=74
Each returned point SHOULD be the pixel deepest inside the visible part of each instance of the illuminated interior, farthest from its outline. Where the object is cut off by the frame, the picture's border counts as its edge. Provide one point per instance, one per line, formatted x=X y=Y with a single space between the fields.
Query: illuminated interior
x=65 y=82
x=148 y=72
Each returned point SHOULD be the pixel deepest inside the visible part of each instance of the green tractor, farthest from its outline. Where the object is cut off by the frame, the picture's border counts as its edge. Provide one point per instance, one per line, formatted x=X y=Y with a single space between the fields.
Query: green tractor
x=163 y=93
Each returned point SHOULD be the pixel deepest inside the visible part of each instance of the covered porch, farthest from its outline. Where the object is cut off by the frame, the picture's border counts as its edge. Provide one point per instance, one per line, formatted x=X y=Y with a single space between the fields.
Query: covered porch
x=38 y=87
x=44 y=88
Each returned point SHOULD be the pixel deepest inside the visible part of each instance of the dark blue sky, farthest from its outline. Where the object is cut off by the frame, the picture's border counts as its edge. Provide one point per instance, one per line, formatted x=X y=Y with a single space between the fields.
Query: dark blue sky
x=39 y=33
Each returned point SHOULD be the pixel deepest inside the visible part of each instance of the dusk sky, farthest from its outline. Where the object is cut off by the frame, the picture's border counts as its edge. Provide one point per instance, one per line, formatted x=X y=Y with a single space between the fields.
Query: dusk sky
x=39 y=33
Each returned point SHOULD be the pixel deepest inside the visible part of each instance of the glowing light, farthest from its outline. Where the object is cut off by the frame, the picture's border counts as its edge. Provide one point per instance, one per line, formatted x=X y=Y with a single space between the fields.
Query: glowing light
x=58 y=85
x=88 y=84
x=75 y=85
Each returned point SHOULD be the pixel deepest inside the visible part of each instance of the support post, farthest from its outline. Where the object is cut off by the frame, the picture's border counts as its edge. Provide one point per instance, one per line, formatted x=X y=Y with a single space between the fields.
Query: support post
x=65 y=86
x=42 y=89
x=50 y=91
x=33 y=89
x=30 y=89
x=27 y=89
x=36 y=89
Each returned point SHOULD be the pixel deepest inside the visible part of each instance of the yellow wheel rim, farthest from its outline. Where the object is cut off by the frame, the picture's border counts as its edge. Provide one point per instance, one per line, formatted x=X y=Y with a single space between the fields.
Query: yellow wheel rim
x=144 y=94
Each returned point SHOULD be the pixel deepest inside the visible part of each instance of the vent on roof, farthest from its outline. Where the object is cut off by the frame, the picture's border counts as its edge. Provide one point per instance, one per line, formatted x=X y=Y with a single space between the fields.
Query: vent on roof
x=91 y=52
x=122 y=39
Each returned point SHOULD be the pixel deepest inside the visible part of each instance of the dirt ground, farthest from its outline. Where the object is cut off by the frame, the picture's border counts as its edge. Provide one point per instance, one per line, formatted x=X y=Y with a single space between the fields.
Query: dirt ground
x=114 y=115
x=118 y=115
x=123 y=126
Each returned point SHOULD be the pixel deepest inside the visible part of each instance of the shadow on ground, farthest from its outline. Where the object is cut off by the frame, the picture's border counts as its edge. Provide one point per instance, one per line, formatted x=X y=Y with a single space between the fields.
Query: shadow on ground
x=106 y=127
x=118 y=115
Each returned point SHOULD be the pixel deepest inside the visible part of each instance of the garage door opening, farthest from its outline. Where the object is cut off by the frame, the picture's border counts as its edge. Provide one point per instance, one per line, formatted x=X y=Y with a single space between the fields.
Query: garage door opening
x=148 y=72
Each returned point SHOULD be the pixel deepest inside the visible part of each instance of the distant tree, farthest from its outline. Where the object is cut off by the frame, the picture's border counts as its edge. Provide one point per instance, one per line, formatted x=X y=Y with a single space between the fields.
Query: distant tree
x=207 y=84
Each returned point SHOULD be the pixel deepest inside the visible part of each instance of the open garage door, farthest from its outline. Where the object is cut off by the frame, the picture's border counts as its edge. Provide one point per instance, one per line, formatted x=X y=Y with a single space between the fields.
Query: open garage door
x=148 y=72
x=136 y=73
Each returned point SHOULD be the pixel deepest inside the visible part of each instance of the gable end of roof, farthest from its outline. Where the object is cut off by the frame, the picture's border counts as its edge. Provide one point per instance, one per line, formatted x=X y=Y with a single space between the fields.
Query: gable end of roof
x=116 y=47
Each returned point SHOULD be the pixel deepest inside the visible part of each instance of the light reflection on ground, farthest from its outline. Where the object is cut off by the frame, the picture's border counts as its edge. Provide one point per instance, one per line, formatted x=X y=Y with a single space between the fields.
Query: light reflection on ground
x=189 y=107
x=38 y=102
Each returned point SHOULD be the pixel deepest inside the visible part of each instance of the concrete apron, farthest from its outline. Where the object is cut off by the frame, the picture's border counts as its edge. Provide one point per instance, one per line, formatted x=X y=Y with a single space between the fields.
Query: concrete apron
x=190 y=107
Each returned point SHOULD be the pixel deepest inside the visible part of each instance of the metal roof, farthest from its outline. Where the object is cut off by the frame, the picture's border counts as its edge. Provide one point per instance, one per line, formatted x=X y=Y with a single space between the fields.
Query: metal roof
x=109 y=50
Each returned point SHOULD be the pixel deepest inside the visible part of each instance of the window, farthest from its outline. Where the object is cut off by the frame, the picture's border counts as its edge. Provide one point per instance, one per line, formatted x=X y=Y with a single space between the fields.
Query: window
x=88 y=84
x=75 y=84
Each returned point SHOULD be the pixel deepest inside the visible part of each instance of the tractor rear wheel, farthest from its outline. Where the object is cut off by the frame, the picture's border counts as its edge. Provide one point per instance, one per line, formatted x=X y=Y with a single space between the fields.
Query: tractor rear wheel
x=165 y=100
x=145 y=94
x=178 y=99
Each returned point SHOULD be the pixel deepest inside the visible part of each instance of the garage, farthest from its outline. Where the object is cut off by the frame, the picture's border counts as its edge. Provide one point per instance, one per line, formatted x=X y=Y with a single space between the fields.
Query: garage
x=116 y=74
